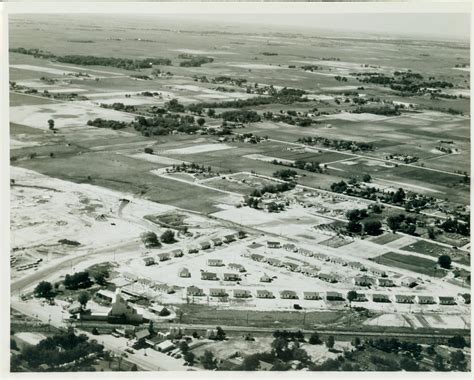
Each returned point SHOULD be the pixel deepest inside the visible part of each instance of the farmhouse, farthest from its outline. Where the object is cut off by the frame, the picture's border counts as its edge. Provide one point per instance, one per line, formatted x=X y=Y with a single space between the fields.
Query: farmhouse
x=425 y=300
x=288 y=294
x=311 y=296
x=385 y=282
x=75 y=308
x=338 y=260
x=242 y=293
x=237 y=267
x=262 y=293
x=290 y=247
x=363 y=281
x=184 y=272
x=215 y=262
x=177 y=253
x=254 y=245
x=265 y=278
x=209 y=276
x=409 y=282
x=446 y=300
x=273 y=244
x=229 y=238
x=274 y=262
x=149 y=261
x=194 y=291
x=293 y=267
x=327 y=277
x=305 y=252
x=403 y=298
x=163 y=256
x=334 y=296
x=380 y=298
x=321 y=256
x=205 y=245
x=217 y=292
x=231 y=277
x=360 y=298
x=357 y=266
x=257 y=257
x=193 y=249
x=310 y=271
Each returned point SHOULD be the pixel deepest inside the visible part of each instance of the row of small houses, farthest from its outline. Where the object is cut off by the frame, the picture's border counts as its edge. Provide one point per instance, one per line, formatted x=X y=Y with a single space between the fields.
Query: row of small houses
x=202 y=246
x=320 y=256
x=193 y=291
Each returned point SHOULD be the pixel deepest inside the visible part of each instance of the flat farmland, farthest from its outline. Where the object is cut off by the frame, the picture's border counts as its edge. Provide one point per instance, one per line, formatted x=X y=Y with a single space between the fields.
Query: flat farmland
x=114 y=172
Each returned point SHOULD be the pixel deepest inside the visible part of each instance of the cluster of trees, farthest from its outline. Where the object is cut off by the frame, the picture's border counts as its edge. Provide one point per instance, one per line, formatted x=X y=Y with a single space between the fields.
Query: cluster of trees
x=289 y=119
x=311 y=166
x=37 y=53
x=339 y=187
x=192 y=167
x=119 y=107
x=403 y=81
x=111 y=124
x=165 y=124
x=150 y=239
x=56 y=350
x=241 y=116
x=337 y=144
x=456 y=226
x=285 y=174
x=401 y=222
x=311 y=68
x=283 y=96
x=384 y=110
x=121 y=63
x=277 y=188
x=44 y=289
x=370 y=227
x=195 y=61
x=78 y=280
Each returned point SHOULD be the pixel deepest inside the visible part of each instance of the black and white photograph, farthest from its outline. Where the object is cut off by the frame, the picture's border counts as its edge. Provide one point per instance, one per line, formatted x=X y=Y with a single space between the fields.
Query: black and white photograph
x=279 y=190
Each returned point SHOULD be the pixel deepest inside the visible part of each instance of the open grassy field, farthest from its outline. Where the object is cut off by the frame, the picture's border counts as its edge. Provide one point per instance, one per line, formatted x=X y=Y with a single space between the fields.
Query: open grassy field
x=436 y=250
x=412 y=263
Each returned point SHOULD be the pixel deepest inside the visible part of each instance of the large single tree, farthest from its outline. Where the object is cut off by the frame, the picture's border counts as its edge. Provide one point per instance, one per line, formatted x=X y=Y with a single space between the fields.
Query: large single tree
x=444 y=261
x=44 y=289
x=351 y=296
x=83 y=298
x=168 y=237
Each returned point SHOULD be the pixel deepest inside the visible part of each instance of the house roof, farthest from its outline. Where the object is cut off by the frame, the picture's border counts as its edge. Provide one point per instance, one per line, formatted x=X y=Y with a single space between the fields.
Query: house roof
x=142 y=334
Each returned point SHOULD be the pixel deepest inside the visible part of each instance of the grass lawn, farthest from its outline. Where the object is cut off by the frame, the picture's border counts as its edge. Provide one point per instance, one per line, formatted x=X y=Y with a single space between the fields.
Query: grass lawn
x=286 y=319
x=412 y=263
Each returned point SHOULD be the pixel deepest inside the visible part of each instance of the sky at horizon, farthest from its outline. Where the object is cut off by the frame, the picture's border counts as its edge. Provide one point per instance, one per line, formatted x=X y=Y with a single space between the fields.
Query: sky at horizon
x=455 y=26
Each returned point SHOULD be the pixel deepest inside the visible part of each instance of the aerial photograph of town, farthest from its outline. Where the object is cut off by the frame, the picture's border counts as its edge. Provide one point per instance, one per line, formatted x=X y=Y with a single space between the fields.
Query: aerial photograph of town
x=212 y=194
